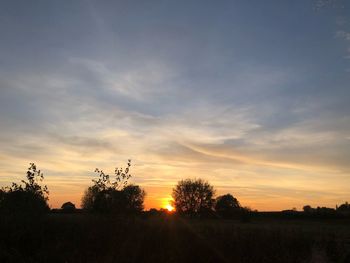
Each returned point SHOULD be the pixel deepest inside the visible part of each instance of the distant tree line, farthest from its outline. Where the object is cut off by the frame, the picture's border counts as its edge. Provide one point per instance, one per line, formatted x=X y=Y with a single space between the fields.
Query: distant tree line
x=342 y=209
x=114 y=195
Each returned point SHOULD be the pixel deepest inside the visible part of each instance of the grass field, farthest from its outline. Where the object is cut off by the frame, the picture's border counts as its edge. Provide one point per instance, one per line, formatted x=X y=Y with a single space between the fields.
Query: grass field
x=89 y=238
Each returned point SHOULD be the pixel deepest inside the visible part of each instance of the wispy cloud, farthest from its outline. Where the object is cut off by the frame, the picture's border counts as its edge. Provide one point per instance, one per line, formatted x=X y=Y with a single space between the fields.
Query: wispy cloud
x=255 y=110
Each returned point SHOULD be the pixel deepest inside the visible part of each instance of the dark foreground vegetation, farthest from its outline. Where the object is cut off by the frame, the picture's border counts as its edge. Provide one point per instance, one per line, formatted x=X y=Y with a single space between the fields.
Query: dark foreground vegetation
x=84 y=237
x=112 y=226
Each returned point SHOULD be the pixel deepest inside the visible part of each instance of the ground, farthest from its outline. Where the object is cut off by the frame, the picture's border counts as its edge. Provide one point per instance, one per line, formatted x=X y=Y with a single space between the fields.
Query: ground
x=159 y=238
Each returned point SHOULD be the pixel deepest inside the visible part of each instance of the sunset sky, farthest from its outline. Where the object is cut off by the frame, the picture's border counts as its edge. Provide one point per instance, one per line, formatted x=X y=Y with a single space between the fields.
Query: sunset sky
x=253 y=96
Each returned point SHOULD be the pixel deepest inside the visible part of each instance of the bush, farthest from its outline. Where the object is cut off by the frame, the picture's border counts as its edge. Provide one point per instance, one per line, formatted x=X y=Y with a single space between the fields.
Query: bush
x=113 y=197
x=29 y=198
x=68 y=207
x=227 y=206
x=19 y=201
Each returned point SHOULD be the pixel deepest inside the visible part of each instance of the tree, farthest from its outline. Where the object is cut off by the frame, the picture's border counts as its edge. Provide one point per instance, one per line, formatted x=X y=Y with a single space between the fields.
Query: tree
x=193 y=197
x=344 y=207
x=106 y=196
x=29 y=198
x=227 y=206
x=68 y=207
x=134 y=196
x=308 y=209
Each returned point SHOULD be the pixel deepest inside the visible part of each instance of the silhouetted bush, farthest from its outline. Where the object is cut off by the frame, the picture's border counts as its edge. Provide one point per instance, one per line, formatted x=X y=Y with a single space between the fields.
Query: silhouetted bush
x=68 y=207
x=308 y=209
x=153 y=211
x=113 y=197
x=344 y=208
x=29 y=198
x=227 y=206
x=325 y=211
x=193 y=197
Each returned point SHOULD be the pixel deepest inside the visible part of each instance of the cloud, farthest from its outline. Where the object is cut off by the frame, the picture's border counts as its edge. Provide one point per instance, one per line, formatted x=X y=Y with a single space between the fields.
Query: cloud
x=343 y=34
x=137 y=83
x=183 y=94
x=341 y=21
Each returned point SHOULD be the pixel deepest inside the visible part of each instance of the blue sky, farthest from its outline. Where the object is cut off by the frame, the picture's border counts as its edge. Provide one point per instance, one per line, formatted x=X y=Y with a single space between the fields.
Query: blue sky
x=250 y=95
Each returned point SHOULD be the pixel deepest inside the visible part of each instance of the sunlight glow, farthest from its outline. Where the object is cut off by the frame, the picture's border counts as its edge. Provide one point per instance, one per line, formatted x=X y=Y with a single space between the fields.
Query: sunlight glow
x=169 y=207
x=167 y=203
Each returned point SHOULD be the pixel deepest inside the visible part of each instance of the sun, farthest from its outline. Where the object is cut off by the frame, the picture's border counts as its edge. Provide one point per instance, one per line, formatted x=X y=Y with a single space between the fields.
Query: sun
x=169 y=207
x=167 y=204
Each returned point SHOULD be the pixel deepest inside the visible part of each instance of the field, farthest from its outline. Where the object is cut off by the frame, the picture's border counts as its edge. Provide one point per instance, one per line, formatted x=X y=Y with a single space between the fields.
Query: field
x=89 y=238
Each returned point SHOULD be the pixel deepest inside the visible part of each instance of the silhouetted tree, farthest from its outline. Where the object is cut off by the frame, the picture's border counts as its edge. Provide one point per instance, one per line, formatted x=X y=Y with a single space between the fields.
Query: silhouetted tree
x=68 y=207
x=227 y=206
x=153 y=211
x=193 y=197
x=308 y=209
x=134 y=196
x=113 y=197
x=30 y=198
x=344 y=207
x=325 y=211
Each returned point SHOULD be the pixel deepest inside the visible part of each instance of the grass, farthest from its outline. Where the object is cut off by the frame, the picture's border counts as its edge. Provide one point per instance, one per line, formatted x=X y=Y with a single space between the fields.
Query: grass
x=91 y=238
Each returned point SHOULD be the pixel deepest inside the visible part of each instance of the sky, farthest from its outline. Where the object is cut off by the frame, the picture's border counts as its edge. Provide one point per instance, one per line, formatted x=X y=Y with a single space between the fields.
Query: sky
x=252 y=96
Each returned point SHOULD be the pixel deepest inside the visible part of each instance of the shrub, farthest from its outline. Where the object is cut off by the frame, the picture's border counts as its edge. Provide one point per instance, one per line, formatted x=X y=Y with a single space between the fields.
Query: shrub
x=227 y=206
x=115 y=197
x=68 y=207
x=29 y=198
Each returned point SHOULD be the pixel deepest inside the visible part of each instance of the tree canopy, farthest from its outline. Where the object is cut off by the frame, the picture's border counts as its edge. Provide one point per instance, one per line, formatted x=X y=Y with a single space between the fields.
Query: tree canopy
x=344 y=207
x=227 y=205
x=193 y=196
x=68 y=207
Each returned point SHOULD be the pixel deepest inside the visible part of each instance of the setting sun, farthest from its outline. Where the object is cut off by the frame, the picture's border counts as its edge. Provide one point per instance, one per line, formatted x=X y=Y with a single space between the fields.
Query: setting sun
x=166 y=203
x=169 y=207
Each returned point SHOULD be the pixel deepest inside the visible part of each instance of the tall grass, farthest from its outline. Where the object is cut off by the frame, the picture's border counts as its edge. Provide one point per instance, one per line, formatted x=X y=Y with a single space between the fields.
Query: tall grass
x=91 y=238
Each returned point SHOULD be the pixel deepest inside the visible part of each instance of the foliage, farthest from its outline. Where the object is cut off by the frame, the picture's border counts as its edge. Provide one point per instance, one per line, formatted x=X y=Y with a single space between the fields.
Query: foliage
x=308 y=209
x=134 y=197
x=344 y=207
x=106 y=196
x=227 y=206
x=68 y=207
x=321 y=212
x=193 y=197
x=30 y=197
x=121 y=178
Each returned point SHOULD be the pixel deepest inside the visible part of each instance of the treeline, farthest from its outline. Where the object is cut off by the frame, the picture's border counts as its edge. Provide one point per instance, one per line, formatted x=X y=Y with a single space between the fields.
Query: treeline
x=114 y=195
x=343 y=208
